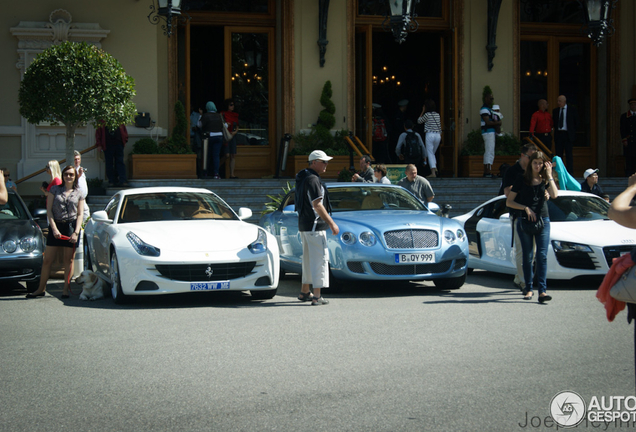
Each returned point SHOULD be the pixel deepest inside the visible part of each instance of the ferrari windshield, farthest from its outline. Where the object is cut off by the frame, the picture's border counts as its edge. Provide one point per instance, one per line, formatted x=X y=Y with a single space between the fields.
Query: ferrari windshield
x=570 y=208
x=372 y=198
x=173 y=206
x=13 y=209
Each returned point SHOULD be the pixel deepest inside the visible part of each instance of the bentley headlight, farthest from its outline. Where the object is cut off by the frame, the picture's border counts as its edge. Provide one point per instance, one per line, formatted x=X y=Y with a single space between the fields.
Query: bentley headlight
x=367 y=239
x=28 y=244
x=449 y=236
x=562 y=246
x=260 y=245
x=9 y=246
x=348 y=238
x=141 y=246
x=460 y=235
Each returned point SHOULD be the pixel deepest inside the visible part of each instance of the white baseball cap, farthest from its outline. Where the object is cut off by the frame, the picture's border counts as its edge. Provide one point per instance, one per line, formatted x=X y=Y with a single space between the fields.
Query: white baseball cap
x=588 y=172
x=319 y=155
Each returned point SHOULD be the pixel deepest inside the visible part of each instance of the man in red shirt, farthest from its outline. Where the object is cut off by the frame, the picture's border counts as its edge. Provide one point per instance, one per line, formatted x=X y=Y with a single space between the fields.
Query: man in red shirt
x=541 y=124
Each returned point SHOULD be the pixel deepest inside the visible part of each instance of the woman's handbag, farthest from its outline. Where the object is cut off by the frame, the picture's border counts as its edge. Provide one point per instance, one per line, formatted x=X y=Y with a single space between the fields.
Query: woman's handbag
x=227 y=135
x=625 y=287
x=531 y=227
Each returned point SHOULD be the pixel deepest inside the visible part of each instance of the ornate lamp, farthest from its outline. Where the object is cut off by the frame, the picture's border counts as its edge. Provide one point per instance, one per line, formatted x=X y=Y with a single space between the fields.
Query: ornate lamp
x=167 y=10
x=597 y=18
x=402 y=19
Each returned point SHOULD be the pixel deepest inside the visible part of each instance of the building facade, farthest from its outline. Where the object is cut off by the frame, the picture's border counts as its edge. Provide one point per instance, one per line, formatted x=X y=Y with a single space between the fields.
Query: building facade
x=274 y=56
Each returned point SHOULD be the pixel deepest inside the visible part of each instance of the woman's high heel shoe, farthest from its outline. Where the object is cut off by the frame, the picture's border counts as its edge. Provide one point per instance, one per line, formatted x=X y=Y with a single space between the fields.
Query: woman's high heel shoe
x=30 y=295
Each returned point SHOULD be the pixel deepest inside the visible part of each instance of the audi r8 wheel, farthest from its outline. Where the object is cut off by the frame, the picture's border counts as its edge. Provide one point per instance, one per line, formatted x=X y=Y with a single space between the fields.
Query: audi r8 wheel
x=115 y=280
x=451 y=283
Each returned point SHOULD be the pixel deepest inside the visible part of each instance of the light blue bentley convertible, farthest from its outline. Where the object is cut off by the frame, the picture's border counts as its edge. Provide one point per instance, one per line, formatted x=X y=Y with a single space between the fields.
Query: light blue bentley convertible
x=386 y=234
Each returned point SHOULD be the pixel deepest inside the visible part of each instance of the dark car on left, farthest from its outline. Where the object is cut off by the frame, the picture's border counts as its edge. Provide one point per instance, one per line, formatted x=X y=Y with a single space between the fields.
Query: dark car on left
x=22 y=243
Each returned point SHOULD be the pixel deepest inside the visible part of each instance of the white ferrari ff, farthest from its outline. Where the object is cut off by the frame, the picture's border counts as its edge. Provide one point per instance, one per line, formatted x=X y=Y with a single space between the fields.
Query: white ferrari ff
x=583 y=240
x=166 y=240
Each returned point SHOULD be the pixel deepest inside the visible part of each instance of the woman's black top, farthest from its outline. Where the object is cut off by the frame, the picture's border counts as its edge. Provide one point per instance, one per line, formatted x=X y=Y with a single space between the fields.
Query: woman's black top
x=211 y=122
x=531 y=196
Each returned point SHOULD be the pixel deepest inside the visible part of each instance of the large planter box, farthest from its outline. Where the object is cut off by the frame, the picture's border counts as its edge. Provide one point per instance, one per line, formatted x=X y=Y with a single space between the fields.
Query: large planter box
x=338 y=163
x=473 y=166
x=163 y=166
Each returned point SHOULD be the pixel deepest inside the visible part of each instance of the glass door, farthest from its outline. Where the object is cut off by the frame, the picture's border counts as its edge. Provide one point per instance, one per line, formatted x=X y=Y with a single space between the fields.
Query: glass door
x=250 y=81
x=551 y=66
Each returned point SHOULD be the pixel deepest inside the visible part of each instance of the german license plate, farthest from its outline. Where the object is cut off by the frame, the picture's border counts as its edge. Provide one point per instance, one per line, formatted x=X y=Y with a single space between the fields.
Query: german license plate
x=407 y=258
x=209 y=286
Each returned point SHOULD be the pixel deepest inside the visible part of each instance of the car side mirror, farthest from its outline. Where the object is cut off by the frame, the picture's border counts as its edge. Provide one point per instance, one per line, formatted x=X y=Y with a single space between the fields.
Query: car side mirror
x=244 y=213
x=504 y=217
x=290 y=209
x=432 y=207
x=40 y=217
x=100 y=216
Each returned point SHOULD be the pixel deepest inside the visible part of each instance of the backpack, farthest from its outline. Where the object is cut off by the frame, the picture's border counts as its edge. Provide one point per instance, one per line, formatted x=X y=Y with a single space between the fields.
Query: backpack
x=412 y=150
x=379 y=130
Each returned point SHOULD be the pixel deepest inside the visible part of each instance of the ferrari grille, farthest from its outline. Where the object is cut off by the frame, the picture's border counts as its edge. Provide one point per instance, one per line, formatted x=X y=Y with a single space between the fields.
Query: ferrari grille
x=411 y=239
x=410 y=269
x=206 y=272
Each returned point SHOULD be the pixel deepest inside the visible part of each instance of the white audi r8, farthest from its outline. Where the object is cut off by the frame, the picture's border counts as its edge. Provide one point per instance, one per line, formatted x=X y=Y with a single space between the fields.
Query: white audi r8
x=583 y=240
x=166 y=240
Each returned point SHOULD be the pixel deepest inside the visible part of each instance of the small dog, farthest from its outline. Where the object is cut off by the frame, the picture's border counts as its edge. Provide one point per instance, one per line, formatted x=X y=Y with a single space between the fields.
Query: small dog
x=92 y=286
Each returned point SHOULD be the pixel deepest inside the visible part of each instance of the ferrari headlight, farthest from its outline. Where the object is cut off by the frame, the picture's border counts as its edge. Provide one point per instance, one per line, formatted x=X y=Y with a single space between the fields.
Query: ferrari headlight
x=28 y=244
x=562 y=246
x=449 y=236
x=348 y=238
x=9 y=246
x=368 y=239
x=260 y=245
x=141 y=246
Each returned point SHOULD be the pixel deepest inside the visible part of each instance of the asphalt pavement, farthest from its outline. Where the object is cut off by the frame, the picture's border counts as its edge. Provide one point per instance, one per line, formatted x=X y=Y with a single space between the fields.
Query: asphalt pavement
x=384 y=357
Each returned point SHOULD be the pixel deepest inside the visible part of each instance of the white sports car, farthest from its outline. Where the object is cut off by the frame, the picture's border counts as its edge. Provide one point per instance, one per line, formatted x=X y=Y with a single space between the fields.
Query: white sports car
x=583 y=240
x=166 y=240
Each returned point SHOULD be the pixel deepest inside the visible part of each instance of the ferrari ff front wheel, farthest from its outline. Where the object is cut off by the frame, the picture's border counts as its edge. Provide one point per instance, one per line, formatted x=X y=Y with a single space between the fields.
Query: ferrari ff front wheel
x=263 y=294
x=451 y=283
x=115 y=281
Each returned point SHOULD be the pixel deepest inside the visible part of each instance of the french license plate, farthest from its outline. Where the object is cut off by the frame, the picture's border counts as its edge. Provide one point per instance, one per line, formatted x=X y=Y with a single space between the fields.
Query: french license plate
x=209 y=286
x=404 y=258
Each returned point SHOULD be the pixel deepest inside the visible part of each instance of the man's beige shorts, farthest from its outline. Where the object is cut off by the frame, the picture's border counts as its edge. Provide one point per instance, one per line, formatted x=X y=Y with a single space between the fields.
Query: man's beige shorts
x=315 y=258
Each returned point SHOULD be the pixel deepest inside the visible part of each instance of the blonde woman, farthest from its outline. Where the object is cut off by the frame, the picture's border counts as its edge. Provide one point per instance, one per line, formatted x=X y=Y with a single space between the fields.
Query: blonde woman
x=53 y=169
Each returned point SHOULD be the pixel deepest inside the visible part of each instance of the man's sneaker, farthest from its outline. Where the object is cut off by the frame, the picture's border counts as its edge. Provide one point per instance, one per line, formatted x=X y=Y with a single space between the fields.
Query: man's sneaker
x=319 y=301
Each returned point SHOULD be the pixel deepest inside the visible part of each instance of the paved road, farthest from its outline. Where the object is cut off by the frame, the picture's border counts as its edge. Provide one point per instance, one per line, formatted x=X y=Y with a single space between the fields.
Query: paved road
x=401 y=358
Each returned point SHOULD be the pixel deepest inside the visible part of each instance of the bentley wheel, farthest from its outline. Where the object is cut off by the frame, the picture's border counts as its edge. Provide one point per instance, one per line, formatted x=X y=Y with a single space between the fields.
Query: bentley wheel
x=451 y=283
x=115 y=281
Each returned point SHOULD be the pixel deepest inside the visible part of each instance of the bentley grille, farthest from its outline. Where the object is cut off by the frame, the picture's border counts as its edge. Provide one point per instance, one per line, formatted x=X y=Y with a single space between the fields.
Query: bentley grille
x=411 y=239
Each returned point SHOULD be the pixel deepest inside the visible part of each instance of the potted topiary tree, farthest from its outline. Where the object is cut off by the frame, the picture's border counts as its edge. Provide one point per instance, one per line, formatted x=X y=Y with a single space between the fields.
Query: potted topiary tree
x=171 y=158
x=320 y=138
x=75 y=84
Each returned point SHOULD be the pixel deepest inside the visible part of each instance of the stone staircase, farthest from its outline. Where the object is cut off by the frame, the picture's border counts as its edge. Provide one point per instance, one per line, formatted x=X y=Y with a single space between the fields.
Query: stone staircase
x=463 y=194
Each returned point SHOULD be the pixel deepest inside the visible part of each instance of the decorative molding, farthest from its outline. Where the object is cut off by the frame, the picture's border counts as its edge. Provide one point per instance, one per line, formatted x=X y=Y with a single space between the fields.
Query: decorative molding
x=323 y=15
x=36 y=36
x=493 y=18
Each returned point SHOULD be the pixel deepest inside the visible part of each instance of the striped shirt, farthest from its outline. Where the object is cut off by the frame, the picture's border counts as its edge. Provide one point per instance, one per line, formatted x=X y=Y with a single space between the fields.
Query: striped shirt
x=432 y=122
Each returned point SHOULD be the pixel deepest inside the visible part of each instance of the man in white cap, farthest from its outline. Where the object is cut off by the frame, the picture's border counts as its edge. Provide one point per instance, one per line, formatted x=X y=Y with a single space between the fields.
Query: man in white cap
x=313 y=207
x=590 y=183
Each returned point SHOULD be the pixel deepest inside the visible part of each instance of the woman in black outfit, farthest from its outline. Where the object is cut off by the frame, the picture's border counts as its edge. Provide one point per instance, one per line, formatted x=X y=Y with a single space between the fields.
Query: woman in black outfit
x=528 y=194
